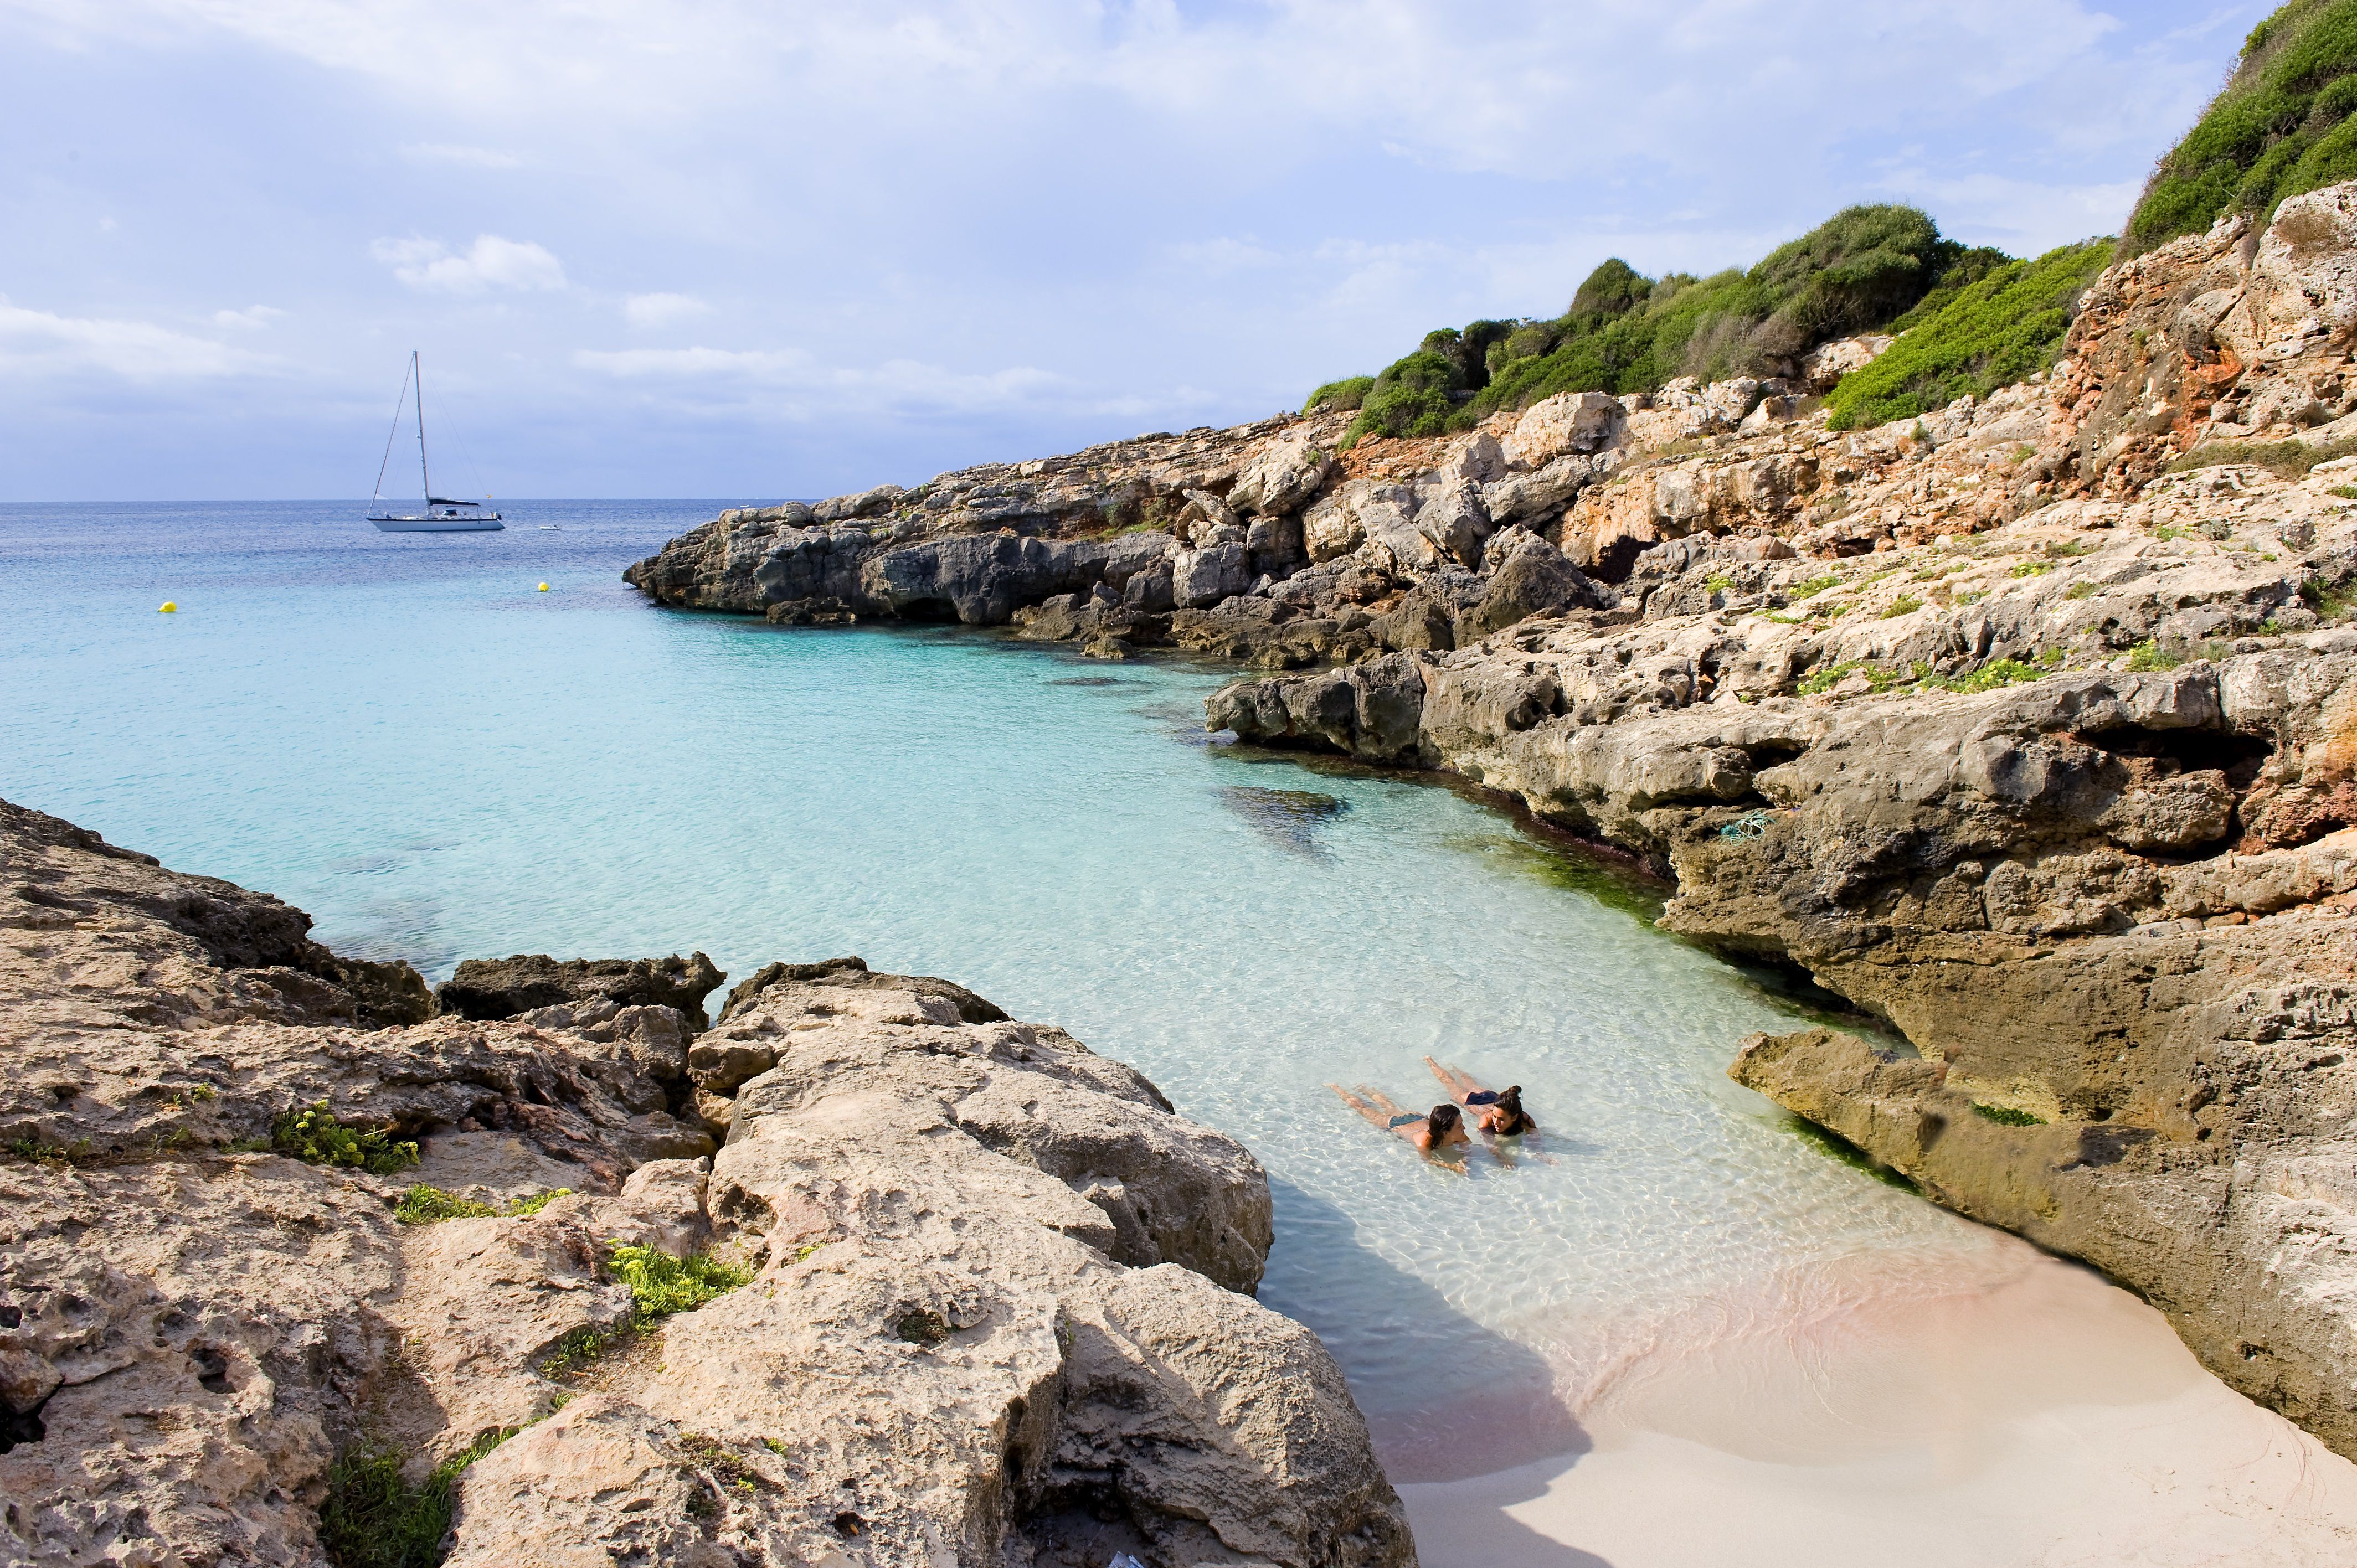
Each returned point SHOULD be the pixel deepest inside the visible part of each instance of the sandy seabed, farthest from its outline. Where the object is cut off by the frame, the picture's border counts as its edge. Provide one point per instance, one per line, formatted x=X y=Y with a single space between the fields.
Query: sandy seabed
x=2032 y=1415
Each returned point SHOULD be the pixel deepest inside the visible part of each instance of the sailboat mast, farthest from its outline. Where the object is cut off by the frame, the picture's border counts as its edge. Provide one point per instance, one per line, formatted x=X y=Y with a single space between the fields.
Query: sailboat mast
x=418 y=375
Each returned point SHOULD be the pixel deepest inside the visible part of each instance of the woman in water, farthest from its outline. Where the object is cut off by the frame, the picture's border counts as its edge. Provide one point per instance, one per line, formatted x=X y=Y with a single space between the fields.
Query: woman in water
x=1498 y=1112
x=1430 y=1132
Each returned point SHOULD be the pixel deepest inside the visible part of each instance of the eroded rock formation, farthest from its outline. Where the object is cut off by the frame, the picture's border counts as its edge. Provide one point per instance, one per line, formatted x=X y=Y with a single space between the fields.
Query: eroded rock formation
x=998 y=1306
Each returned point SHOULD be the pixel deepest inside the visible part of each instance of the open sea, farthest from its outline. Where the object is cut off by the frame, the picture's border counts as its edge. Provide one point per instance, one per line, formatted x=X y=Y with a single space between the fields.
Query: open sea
x=401 y=734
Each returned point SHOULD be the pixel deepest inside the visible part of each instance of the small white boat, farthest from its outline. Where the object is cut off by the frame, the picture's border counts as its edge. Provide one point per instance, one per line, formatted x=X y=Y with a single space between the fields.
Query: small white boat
x=442 y=515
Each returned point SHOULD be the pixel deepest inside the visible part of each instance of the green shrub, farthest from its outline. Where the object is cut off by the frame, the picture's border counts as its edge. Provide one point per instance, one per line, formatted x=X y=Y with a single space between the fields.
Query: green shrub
x=2148 y=656
x=1987 y=678
x=2346 y=492
x=1411 y=398
x=2033 y=568
x=2330 y=601
x=1904 y=605
x=2280 y=126
x=1626 y=333
x=374 y=1517
x=2081 y=591
x=662 y=1284
x=315 y=1137
x=424 y=1205
x=1341 y=396
x=2006 y=1116
x=1991 y=333
x=2290 y=459
x=1826 y=677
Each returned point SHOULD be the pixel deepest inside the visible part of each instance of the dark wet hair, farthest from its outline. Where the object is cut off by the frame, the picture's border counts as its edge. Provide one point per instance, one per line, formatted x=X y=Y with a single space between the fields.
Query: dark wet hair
x=1443 y=1119
x=1510 y=1102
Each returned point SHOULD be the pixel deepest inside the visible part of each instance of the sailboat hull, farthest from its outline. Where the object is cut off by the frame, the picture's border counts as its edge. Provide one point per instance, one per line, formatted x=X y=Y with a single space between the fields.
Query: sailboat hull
x=439 y=524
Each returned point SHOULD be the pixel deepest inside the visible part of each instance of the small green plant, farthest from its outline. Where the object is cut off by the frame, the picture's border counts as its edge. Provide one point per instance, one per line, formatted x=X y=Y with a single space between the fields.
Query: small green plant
x=2081 y=591
x=1826 y=677
x=374 y=1517
x=2033 y=568
x=1719 y=581
x=575 y=1350
x=662 y=1284
x=538 y=1201
x=2006 y=1116
x=773 y=1445
x=2063 y=549
x=719 y=1461
x=1987 y=678
x=924 y=1329
x=2346 y=492
x=2330 y=601
x=315 y=1137
x=2288 y=459
x=1905 y=605
x=1971 y=597
x=2151 y=656
x=424 y=1205
x=33 y=1149
x=202 y=1093
x=1810 y=588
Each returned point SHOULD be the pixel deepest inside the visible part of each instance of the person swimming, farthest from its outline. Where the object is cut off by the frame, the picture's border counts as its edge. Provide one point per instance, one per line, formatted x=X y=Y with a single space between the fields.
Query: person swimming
x=1430 y=1132
x=1497 y=1111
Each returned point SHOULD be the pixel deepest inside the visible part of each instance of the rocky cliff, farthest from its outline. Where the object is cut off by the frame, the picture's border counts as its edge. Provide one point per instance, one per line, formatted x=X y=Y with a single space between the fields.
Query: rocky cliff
x=868 y=1274
x=2026 y=725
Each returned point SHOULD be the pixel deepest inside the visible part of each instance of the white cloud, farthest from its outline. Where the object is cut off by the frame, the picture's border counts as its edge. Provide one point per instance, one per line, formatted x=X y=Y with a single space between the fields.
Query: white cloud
x=489 y=263
x=449 y=153
x=661 y=309
x=797 y=384
x=252 y=318
x=38 y=343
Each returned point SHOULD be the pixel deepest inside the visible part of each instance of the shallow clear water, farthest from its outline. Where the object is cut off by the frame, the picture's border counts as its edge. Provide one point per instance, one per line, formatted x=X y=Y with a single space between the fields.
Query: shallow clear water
x=402 y=736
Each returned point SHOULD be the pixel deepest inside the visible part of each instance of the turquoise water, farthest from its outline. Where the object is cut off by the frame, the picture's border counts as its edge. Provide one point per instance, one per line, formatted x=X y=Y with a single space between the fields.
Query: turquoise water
x=402 y=736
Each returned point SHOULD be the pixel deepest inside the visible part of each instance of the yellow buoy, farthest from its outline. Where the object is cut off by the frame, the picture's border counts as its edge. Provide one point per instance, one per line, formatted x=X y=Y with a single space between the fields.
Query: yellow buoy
x=543 y=587
x=169 y=609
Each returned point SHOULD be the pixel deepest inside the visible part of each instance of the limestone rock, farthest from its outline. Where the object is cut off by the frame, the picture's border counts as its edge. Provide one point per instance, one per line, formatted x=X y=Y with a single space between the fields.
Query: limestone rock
x=1566 y=423
x=997 y=1318
x=487 y=989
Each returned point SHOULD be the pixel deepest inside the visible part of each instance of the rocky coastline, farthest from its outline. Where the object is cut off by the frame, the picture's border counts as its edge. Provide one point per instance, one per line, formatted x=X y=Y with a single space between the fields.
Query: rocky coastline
x=2025 y=725
x=296 y=1252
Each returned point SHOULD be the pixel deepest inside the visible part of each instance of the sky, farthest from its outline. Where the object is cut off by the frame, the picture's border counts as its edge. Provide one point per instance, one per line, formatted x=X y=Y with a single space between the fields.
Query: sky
x=752 y=250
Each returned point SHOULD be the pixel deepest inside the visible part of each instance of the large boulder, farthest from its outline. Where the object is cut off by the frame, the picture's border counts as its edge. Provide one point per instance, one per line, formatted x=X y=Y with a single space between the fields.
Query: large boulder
x=490 y=988
x=1566 y=423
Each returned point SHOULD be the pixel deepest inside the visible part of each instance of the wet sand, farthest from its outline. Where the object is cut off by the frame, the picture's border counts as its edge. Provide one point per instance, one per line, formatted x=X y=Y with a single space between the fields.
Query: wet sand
x=2036 y=1416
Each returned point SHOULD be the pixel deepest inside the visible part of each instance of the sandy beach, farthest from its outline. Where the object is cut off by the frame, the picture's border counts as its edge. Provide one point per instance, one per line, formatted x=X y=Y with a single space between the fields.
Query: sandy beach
x=2040 y=1417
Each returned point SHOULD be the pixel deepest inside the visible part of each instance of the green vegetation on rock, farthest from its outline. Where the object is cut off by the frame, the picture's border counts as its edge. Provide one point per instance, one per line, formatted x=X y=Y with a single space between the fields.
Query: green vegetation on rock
x=424 y=1205
x=315 y=1137
x=662 y=1284
x=1864 y=267
x=376 y=1517
x=1988 y=332
x=2006 y=1116
x=2280 y=126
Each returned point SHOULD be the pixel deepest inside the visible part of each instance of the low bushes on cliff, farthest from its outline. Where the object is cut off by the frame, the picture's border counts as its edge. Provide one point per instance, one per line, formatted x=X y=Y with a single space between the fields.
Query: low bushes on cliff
x=2282 y=126
x=1985 y=332
x=1625 y=332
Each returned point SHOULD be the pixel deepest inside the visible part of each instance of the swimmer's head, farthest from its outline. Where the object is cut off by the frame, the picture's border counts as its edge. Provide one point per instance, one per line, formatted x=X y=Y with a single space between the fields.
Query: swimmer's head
x=1443 y=1121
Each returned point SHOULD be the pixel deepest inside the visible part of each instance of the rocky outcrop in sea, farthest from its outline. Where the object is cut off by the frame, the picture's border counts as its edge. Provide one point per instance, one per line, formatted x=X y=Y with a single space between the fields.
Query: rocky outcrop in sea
x=868 y=1272
x=2026 y=725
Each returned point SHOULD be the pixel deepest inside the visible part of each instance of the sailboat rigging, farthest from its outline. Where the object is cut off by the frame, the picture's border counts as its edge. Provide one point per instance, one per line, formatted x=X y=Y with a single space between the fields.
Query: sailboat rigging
x=442 y=515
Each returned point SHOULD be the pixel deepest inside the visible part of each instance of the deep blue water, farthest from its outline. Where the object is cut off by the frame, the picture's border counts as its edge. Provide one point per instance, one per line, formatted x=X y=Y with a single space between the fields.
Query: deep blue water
x=401 y=734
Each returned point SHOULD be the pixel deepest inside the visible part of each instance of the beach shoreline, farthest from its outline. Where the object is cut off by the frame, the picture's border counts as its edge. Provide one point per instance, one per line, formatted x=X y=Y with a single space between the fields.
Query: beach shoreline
x=2040 y=1416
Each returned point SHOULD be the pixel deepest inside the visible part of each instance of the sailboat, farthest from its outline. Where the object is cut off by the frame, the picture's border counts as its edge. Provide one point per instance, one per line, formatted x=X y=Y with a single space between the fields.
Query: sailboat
x=441 y=515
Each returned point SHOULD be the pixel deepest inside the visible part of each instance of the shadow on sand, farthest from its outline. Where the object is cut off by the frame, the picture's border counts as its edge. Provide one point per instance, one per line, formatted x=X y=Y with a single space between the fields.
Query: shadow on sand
x=1482 y=1403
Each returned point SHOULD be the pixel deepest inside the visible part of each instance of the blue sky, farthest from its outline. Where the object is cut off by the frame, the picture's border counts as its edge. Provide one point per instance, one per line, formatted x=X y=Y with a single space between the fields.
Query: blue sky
x=742 y=250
